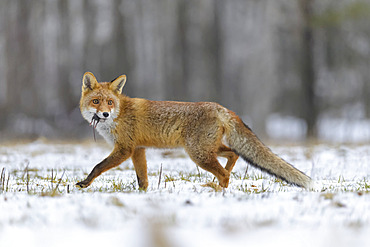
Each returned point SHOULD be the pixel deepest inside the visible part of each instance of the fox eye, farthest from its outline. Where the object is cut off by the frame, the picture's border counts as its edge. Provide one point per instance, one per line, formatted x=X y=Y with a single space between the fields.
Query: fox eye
x=110 y=102
x=95 y=101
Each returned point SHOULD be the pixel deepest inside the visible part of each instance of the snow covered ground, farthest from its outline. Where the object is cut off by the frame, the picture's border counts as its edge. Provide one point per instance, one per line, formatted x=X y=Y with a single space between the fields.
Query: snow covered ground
x=39 y=205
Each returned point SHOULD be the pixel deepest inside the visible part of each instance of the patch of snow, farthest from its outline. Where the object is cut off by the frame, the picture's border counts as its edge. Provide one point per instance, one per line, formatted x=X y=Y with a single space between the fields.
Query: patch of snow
x=181 y=212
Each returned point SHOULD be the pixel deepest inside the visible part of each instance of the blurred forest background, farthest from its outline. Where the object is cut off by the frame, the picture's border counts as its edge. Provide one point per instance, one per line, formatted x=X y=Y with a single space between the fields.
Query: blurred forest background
x=299 y=68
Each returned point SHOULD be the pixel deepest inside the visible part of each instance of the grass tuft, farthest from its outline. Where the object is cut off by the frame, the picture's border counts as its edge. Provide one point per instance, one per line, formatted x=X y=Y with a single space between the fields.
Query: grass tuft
x=214 y=186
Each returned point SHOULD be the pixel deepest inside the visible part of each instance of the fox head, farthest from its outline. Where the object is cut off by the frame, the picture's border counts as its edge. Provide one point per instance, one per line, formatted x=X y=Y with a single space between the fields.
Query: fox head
x=100 y=101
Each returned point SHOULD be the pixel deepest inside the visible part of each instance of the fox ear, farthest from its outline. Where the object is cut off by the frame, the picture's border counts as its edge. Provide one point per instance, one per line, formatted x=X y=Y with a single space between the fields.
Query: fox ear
x=89 y=82
x=118 y=83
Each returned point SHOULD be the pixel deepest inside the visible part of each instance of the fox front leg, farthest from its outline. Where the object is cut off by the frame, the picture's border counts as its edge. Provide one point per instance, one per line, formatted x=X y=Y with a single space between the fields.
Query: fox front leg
x=117 y=156
x=139 y=161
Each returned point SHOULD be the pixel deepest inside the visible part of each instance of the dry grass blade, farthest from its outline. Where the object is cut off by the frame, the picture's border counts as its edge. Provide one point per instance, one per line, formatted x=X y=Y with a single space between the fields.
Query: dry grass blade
x=60 y=180
x=54 y=191
x=27 y=162
x=198 y=172
x=160 y=176
x=2 y=179
x=246 y=171
x=28 y=179
x=52 y=179
x=4 y=185
x=7 y=183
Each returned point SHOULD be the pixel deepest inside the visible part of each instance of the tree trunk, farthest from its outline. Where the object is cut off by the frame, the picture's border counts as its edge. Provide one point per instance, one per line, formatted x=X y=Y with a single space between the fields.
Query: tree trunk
x=309 y=101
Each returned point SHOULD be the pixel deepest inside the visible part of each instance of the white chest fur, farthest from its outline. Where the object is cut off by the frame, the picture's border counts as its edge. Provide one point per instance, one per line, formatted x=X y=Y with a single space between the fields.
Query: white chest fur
x=105 y=129
x=105 y=126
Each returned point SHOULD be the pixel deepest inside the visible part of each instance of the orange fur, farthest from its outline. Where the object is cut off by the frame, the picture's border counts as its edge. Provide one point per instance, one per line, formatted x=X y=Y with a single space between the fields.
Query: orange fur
x=200 y=128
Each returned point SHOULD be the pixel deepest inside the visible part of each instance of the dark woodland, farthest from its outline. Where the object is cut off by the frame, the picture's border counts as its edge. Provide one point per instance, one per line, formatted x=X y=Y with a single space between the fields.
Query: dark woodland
x=306 y=59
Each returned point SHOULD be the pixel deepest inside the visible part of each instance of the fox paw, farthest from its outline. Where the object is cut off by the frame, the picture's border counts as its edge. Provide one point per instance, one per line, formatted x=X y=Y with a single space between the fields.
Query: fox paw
x=82 y=184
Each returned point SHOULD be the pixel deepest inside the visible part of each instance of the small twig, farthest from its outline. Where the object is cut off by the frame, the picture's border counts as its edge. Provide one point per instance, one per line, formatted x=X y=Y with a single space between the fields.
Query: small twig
x=28 y=180
x=198 y=172
x=60 y=180
x=2 y=179
x=27 y=162
x=52 y=178
x=246 y=170
x=160 y=176
x=7 y=183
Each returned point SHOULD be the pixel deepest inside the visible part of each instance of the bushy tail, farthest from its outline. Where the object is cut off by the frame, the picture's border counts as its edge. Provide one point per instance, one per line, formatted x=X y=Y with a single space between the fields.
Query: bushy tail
x=247 y=145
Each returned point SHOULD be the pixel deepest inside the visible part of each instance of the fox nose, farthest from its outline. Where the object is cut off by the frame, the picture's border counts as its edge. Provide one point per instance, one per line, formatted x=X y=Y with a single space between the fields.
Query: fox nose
x=105 y=114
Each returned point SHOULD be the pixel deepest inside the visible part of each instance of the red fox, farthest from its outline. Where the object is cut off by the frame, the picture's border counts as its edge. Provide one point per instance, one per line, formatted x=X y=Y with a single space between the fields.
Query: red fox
x=204 y=129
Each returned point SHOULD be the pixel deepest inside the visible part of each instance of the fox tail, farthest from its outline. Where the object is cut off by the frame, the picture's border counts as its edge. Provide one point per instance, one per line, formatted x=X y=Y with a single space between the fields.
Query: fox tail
x=246 y=144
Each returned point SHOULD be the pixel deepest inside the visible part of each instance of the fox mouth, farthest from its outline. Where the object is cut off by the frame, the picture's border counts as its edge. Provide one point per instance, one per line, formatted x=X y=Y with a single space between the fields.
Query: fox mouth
x=94 y=121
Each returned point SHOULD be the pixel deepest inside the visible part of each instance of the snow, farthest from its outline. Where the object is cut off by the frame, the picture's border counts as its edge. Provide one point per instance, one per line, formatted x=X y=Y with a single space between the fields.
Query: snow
x=257 y=211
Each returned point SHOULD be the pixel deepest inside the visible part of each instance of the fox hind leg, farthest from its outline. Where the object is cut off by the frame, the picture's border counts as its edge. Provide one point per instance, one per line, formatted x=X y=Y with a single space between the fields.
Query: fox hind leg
x=231 y=157
x=208 y=161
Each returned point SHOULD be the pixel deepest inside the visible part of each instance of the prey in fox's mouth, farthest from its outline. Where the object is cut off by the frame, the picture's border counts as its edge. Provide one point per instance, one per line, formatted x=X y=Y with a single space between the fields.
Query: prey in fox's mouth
x=94 y=122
